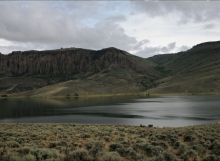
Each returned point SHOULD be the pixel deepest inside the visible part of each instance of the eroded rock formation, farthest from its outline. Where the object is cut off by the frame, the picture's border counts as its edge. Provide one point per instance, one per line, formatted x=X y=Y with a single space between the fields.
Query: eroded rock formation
x=67 y=61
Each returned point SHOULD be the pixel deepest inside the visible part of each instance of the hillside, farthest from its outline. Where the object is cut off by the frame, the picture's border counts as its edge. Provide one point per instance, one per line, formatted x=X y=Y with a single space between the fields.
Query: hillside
x=74 y=70
x=194 y=71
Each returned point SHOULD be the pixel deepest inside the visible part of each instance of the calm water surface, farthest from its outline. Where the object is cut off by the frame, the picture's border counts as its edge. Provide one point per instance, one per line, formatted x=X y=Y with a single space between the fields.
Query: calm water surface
x=130 y=110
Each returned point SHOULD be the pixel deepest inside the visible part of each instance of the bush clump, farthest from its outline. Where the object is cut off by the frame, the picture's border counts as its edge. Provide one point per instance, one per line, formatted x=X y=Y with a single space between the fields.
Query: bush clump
x=114 y=146
x=94 y=147
x=111 y=156
x=13 y=144
x=211 y=158
x=189 y=138
x=78 y=155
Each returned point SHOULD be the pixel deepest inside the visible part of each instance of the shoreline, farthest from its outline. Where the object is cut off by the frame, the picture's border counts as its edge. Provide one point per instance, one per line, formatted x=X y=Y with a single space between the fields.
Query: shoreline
x=142 y=94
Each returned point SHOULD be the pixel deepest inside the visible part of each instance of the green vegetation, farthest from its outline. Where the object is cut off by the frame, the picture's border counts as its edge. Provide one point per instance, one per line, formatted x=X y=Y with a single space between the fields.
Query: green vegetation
x=70 y=142
x=195 y=71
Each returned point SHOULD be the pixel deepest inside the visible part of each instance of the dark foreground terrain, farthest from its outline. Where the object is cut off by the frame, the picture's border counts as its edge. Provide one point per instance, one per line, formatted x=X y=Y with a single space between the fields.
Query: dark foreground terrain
x=71 y=142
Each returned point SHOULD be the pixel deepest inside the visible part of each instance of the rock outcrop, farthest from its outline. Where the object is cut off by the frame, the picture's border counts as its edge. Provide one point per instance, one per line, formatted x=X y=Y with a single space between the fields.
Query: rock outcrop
x=109 y=68
x=68 y=61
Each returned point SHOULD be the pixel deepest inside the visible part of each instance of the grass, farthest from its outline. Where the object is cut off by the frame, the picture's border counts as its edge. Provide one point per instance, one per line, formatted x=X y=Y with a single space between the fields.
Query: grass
x=64 y=142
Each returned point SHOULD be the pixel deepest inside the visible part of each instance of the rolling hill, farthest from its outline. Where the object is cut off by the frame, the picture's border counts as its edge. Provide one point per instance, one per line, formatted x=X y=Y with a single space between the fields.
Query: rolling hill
x=194 y=71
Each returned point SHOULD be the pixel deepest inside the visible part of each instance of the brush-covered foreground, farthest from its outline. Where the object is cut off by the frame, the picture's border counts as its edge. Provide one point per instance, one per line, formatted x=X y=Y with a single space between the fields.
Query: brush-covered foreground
x=71 y=142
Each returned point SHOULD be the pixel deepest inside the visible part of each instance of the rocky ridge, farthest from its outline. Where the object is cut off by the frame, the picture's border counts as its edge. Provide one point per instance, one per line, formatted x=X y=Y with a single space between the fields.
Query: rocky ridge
x=107 y=66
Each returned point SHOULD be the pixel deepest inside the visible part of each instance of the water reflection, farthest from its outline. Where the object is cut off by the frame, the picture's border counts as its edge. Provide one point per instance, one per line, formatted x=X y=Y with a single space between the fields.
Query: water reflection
x=132 y=110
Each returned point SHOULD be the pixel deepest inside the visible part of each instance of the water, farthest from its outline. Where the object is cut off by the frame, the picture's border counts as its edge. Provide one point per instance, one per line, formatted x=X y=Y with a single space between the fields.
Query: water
x=170 y=111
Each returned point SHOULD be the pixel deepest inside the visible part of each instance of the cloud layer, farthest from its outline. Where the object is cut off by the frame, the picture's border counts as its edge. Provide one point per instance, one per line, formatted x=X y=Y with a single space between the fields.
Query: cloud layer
x=140 y=27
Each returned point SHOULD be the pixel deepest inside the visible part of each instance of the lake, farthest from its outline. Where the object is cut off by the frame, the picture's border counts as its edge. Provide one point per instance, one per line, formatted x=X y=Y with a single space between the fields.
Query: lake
x=168 y=111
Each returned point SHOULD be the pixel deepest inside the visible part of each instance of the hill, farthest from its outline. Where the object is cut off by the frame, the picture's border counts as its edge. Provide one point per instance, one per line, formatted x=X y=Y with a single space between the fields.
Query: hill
x=194 y=71
x=73 y=70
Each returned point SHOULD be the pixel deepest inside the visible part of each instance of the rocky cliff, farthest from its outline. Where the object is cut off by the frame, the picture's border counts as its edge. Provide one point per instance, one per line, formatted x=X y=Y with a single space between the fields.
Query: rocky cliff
x=110 y=67
x=67 y=61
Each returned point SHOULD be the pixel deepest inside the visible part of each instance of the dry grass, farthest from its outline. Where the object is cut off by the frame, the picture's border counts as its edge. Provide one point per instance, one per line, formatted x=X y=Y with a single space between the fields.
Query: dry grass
x=64 y=142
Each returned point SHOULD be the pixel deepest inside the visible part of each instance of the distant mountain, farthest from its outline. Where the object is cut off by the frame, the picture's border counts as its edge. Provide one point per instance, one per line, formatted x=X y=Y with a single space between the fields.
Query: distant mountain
x=196 y=70
x=73 y=70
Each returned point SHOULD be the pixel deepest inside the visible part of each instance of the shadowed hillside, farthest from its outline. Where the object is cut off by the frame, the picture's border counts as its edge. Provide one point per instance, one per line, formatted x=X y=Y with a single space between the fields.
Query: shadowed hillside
x=73 y=70
x=196 y=70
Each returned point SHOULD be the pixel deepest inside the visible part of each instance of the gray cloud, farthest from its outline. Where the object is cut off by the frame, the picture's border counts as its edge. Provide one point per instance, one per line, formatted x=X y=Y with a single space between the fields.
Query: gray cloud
x=171 y=46
x=104 y=35
x=45 y=23
x=209 y=26
x=140 y=44
x=189 y=11
x=150 y=51
x=21 y=47
x=184 y=48
x=30 y=25
x=114 y=19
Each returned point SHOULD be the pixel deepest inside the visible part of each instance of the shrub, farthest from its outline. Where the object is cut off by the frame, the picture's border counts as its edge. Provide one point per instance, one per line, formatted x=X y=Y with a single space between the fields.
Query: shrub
x=52 y=144
x=111 y=156
x=211 y=158
x=199 y=148
x=43 y=154
x=94 y=147
x=114 y=146
x=177 y=144
x=22 y=140
x=79 y=155
x=162 y=144
x=13 y=144
x=1 y=144
x=153 y=138
x=182 y=148
x=85 y=135
x=189 y=154
x=152 y=150
x=215 y=145
x=162 y=136
x=106 y=138
x=24 y=151
x=206 y=144
x=160 y=157
x=127 y=152
x=94 y=144
x=169 y=156
x=141 y=140
x=189 y=138
x=27 y=157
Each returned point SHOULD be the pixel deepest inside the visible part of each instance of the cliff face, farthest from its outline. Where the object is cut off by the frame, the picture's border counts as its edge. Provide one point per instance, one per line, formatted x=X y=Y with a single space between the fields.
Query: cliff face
x=67 y=61
x=110 y=70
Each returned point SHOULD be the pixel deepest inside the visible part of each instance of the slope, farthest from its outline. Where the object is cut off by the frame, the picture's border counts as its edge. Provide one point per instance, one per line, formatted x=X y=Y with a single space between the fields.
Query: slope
x=74 y=70
x=194 y=71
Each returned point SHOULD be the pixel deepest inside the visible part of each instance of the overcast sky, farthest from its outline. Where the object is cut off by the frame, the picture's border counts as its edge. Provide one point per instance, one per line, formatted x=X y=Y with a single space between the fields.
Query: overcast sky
x=143 y=28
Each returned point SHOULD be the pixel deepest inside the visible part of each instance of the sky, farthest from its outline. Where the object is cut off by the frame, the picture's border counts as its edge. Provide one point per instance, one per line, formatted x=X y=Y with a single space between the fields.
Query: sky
x=140 y=27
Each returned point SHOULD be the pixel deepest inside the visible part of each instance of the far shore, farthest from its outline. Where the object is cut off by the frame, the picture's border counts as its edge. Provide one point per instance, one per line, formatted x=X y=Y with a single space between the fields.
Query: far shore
x=142 y=94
